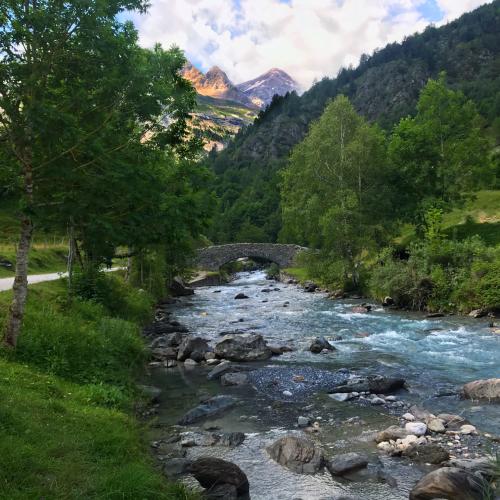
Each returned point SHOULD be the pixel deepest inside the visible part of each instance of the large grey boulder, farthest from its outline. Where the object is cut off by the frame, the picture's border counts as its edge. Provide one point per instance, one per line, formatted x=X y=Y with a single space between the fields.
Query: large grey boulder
x=297 y=454
x=209 y=408
x=448 y=483
x=244 y=347
x=346 y=463
x=194 y=348
x=212 y=473
x=483 y=389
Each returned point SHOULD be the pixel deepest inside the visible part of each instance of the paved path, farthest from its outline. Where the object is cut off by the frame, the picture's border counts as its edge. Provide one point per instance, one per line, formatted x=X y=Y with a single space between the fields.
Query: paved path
x=6 y=283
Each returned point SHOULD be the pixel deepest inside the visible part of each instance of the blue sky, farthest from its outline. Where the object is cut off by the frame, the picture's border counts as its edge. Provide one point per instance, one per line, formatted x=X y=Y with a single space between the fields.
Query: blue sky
x=307 y=38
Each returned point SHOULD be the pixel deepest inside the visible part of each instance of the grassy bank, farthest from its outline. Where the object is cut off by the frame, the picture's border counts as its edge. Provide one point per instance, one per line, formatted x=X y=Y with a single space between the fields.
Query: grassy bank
x=67 y=428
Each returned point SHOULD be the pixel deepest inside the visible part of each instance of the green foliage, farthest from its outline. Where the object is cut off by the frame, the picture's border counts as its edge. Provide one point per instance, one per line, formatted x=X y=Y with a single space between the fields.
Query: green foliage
x=384 y=88
x=63 y=440
x=273 y=271
x=336 y=191
x=440 y=154
x=449 y=276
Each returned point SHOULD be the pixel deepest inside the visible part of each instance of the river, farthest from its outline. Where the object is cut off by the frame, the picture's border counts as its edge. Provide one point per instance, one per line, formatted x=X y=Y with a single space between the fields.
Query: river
x=435 y=356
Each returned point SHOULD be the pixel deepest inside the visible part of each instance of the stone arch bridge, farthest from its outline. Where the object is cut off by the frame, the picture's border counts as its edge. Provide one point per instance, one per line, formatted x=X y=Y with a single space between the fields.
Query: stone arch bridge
x=212 y=258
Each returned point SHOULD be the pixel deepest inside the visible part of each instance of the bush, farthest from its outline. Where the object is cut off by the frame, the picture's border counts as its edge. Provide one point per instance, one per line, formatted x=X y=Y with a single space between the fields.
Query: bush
x=446 y=275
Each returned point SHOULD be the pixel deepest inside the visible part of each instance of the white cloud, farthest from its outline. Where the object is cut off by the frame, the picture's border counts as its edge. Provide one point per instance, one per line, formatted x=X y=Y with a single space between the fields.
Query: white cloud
x=454 y=8
x=307 y=38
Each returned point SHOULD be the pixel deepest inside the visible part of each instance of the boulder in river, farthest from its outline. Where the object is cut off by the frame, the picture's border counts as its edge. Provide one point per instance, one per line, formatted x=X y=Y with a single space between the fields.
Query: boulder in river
x=488 y=389
x=194 y=348
x=320 y=343
x=212 y=473
x=346 y=463
x=310 y=286
x=240 y=296
x=416 y=428
x=376 y=384
x=298 y=454
x=429 y=453
x=244 y=347
x=209 y=408
x=450 y=483
x=179 y=289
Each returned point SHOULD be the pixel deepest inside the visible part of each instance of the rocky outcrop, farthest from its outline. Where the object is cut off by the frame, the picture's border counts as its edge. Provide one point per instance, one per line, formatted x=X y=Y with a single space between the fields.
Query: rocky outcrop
x=297 y=454
x=221 y=476
x=488 y=390
x=451 y=483
x=244 y=347
x=209 y=408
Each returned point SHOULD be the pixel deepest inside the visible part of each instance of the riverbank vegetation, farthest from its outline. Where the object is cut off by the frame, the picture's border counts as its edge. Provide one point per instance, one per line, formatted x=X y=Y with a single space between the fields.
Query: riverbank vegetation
x=67 y=427
x=349 y=190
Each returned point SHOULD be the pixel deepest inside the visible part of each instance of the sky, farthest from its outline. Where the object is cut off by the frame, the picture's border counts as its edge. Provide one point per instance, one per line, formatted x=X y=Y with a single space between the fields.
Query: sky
x=308 y=39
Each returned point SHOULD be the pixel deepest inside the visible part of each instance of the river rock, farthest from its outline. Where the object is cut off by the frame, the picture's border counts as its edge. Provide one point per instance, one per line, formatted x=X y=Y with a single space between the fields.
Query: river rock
x=478 y=313
x=297 y=454
x=310 y=286
x=221 y=368
x=244 y=347
x=212 y=473
x=409 y=417
x=169 y=340
x=320 y=343
x=231 y=439
x=194 y=348
x=429 y=453
x=447 y=483
x=221 y=492
x=392 y=433
x=234 y=378
x=240 y=296
x=209 y=408
x=483 y=389
x=179 y=289
x=190 y=362
x=346 y=463
x=436 y=425
x=303 y=421
x=416 y=428
x=376 y=384
x=341 y=396
x=468 y=429
x=388 y=301
x=361 y=309
x=163 y=353
x=175 y=467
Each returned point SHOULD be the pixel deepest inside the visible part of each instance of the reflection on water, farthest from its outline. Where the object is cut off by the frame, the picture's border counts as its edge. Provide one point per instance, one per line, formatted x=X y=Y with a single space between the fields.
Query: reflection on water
x=435 y=356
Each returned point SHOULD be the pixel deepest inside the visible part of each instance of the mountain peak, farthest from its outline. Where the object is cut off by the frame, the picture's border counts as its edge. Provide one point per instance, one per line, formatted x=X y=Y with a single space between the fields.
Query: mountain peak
x=262 y=89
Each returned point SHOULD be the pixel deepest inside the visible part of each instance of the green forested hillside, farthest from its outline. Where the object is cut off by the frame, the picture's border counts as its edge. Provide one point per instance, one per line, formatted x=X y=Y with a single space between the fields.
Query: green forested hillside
x=383 y=88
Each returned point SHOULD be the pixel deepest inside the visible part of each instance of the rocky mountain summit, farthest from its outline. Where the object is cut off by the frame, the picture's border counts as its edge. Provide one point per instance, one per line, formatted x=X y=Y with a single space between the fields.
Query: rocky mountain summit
x=224 y=108
x=256 y=93
x=262 y=89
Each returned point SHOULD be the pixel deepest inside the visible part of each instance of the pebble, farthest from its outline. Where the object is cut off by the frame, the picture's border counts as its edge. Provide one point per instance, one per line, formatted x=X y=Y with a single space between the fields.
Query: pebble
x=409 y=417
x=377 y=401
x=302 y=421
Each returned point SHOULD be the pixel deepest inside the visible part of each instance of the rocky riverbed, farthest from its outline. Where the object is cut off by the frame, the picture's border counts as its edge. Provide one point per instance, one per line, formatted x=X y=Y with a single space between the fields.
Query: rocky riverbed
x=308 y=398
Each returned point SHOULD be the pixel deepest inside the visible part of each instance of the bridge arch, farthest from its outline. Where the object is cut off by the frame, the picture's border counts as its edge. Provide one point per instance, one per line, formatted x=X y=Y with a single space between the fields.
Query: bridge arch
x=213 y=257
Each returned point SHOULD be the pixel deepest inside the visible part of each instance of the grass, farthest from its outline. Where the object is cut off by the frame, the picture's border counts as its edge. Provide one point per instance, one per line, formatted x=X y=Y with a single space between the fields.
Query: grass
x=479 y=216
x=66 y=424
x=42 y=259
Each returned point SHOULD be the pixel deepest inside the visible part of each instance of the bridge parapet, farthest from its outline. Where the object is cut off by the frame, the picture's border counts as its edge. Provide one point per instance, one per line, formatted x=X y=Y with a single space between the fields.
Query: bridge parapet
x=213 y=257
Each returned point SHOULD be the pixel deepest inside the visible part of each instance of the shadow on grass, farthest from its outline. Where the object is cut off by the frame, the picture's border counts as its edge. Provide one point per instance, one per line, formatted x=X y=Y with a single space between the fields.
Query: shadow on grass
x=489 y=232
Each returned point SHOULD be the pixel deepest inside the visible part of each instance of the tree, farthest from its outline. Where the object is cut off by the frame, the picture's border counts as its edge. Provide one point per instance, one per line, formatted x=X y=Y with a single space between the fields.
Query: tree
x=82 y=132
x=334 y=194
x=440 y=155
